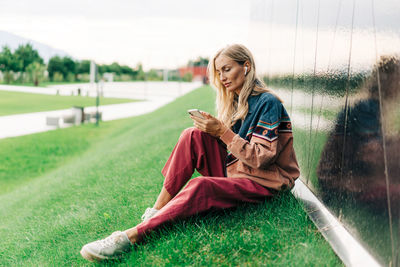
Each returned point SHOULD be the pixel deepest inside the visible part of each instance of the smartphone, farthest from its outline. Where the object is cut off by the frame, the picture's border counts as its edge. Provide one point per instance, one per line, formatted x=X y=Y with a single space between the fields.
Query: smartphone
x=195 y=113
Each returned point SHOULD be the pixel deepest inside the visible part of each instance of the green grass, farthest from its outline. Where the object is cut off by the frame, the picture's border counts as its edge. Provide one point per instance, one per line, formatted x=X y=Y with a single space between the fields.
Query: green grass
x=38 y=153
x=17 y=103
x=87 y=193
x=41 y=84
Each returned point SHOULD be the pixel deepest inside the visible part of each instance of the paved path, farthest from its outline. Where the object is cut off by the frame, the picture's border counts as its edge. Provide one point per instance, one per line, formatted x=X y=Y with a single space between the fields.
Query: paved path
x=156 y=95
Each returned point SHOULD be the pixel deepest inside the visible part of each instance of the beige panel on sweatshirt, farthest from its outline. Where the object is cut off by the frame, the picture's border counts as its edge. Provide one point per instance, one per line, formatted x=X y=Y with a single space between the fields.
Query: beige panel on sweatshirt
x=271 y=164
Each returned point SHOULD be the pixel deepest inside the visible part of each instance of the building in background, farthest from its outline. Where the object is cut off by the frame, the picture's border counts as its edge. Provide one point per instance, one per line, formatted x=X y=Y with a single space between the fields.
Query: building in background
x=199 y=73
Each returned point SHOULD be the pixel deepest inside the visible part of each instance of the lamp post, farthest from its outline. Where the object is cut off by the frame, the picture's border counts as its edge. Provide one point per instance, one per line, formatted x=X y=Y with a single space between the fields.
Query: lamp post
x=94 y=79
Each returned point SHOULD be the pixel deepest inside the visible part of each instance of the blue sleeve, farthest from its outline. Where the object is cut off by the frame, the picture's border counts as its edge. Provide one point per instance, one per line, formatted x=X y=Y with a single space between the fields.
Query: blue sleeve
x=272 y=120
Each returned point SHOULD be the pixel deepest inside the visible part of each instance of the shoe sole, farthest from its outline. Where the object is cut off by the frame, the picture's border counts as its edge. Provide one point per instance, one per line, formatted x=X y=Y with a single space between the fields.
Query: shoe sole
x=90 y=257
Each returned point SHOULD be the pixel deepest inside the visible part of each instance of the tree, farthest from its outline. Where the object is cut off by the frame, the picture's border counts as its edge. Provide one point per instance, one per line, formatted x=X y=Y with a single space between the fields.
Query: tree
x=36 y=72
x=8 y=63
x=65 y=66
x=70 y=69
x=103 y=68
x=25 y=55
x=116 y=68
x=127 y=70
x=69 y=65
x=200 y=61
x=140 y=76
x=83 y=67
x=56 y=64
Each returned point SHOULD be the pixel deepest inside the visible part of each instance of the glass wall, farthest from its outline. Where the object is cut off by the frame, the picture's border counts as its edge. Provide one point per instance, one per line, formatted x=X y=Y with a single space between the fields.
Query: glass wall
x=337 y=66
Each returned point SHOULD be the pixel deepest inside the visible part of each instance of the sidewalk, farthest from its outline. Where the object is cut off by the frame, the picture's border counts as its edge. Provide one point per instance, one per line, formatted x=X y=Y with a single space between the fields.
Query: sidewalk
x=156 y=95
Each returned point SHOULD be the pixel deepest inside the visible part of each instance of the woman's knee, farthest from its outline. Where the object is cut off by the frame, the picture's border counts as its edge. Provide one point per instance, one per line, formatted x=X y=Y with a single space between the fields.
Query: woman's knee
x=200 y=183
x=191 y=132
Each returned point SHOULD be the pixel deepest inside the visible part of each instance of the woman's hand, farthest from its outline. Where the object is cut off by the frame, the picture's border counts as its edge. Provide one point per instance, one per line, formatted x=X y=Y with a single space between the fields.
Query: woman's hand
x=210 y=124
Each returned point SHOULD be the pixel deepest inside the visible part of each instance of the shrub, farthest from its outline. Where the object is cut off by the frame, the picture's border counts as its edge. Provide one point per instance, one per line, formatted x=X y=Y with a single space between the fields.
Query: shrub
x=188 y=77
x=58 y=77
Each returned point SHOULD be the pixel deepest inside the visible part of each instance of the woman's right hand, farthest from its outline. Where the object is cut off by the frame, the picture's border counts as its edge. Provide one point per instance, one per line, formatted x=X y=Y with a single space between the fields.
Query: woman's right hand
x=210 y=124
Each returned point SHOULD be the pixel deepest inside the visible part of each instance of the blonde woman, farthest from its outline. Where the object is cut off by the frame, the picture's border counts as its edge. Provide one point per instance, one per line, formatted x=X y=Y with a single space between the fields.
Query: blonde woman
x=252 y=125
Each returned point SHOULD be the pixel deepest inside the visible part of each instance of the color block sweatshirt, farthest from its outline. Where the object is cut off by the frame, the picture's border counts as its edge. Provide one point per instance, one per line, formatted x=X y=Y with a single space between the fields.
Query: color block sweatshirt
x=261 y=146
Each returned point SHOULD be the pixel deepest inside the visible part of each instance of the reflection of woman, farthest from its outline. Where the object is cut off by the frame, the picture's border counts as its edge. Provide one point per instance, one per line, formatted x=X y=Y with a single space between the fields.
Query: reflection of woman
x=252 y=124
x=352 y=162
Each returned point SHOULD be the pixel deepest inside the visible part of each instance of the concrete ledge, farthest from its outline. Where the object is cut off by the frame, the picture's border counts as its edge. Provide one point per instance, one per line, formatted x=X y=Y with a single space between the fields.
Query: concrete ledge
x=349 y=250
x=53 y=121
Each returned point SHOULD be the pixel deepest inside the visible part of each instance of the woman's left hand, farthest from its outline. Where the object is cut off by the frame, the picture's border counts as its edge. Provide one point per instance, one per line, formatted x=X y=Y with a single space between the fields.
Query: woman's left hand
x=210 y=124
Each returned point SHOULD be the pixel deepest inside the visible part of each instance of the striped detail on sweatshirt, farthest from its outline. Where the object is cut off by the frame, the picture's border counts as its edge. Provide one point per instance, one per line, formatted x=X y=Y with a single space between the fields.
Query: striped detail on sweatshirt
x=270 y=131
x=230 y=159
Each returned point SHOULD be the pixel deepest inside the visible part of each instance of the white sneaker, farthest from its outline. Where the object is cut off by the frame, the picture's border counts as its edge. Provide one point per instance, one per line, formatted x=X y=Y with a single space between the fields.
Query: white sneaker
x=149 y=213
x=110 y=247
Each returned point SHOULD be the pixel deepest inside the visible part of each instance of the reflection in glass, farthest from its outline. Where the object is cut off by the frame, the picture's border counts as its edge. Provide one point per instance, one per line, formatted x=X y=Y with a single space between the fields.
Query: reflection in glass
x=353 y=159
x=320 y=57
x=358 y=171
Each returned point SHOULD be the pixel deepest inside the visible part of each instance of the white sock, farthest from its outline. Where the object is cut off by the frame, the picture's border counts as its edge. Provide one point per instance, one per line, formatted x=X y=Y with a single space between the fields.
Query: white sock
x=126 y=235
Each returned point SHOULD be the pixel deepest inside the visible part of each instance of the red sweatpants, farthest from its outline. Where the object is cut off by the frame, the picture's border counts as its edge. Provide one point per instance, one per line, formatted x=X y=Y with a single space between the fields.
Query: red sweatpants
x=198 y=150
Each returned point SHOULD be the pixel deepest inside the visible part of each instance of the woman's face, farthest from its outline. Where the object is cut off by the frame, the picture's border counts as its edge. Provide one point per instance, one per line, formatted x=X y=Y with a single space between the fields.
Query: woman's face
x=231 y=73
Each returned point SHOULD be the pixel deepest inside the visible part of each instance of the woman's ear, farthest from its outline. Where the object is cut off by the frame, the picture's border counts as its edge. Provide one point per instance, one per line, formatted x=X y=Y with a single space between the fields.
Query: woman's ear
x=246 y=68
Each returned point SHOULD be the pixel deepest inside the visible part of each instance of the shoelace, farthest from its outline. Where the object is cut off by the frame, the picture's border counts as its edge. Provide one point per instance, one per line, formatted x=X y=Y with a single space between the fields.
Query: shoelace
x=146 y=214
x=111 y=240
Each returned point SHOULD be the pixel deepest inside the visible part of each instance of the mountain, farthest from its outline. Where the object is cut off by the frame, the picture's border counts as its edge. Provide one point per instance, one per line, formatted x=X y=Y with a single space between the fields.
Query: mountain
x=45 y=51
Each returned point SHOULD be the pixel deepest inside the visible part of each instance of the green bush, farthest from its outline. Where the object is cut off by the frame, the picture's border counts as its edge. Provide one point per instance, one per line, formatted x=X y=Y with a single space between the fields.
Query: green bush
x=154 y=75
x=188 y=77
x=35 y=72
x=70 y=77
x=83 y=77
x=8 y=77
x=123 y=78
x=58 y=77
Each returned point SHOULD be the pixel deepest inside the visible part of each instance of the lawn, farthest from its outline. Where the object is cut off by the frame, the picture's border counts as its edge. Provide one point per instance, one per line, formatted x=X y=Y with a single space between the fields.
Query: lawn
x=17 y=103
x=79 y=184
x=41 y=84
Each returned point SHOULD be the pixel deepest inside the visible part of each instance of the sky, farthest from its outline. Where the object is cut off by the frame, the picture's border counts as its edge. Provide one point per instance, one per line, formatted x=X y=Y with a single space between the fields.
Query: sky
x=167 y=33
x=157 y=33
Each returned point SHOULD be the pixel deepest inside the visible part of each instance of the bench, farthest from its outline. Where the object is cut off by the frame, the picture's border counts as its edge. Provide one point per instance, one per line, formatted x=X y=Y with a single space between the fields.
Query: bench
x=74 y=118
x=53 y=121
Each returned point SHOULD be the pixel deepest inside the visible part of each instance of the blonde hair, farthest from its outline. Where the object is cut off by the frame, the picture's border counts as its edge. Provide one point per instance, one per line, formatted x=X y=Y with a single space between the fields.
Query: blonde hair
x=231 y=108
